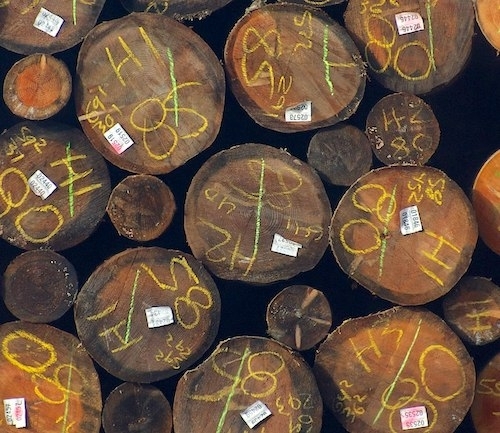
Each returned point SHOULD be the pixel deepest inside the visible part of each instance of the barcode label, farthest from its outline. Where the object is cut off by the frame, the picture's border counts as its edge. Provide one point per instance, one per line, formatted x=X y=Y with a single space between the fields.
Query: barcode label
x=118 y=138
x=285 y=246
x=299 y=113
x=410 y=221
x=48 y=22
x=255 y=413
x=15 y=412
x=159 y=316
x=41 y=185
x=409 y=22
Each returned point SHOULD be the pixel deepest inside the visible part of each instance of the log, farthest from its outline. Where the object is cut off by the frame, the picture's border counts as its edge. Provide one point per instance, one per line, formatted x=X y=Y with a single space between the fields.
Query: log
x=257 y=214
x=50 y=370
x=39 y=286
x=180 y=10
x=396 y=370
x=405 y=233
x=413 y=46
x=147 y=100
x=146 y=314
x=48 y=27
x=472 y=309
x=248 y=374
x=485 y=410
x=141 y=207
x=37 y=87
x=268 y=57
x=54 y=186
x=488 y=18
x=402 y=129
x=299 y=316
x=137 y=408
x=486 y=201
x=341 y=154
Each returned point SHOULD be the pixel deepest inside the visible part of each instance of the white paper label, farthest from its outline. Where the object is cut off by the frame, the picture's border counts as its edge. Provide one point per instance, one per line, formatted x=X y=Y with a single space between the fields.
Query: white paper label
x=299 y=113
x=48 y=22
x=159 y=316
x=285 y=246
x=413 y=417
x=255 y=413
x=41 y=185
x=15 y=412
x=409 y=219
x=409 y=22
x=118 y=138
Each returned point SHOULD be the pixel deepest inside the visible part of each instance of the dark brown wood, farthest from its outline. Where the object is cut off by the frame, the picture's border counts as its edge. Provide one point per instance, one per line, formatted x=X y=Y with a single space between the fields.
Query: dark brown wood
x=341 y=154
x=241 y=199
x=404 y=59
x=268 y=57
x=51 y=370
x=488 y=19
x=299 y=316
x=485 y=193
x=37 y=86
x=371 y=368
x=112 y=307
x=137 y=408
x=65 y=157
x=178 y=9
x=19 y=34
x=472 y=309
x=239 y=372
x=39 y=286
x=315 y=3
x=368 y=241
x=402 y=129
x=485 y=410
x=141 y=207
x=166 y=94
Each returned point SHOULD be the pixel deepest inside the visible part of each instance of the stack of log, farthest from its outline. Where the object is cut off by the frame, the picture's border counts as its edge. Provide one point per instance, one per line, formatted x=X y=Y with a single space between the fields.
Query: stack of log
x=229 y=217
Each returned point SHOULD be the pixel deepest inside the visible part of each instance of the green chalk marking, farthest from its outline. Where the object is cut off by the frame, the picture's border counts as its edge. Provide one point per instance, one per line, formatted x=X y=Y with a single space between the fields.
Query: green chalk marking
x=325 y=61
x=401 y=368
x=71 y=194
x=66 y=404
x=74 y=12
x=383 y=246
x=131 y=307
x=258 y=214
x=236 y=381
x=174 y=85
x=431 y=35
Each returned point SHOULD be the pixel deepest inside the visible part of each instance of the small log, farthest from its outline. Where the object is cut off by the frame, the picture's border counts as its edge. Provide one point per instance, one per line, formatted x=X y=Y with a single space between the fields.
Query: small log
x=472 y=309
x=485 y=410
x=396 y=370
x=299 y=317
x=341 y=154
x=413 y=46
x=268 y=57
x=39 y=286
x=485 y=193
x=148 y=103
x=48 y=27
x=180 y=10
x=257 y=214
x=132 y=407
x=54 y=186
x=146 y=314
x=37 y=87
x=50 y=370
x=488 y=19
x=393 y=234
x=402 y=129
x=141 y=207
x=243 y=371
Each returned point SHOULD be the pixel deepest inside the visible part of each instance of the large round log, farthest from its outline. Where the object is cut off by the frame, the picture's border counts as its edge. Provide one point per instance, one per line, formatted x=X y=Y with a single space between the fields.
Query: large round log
x=39 y=286
x=146 y=314
x=406 y=233
x=52 y=372
x=396 y=370
x=257 y=214
x=49 y=26
x=293 y=68
x=414 y=46
x=248 y=384
x=149 y=92
x=54 y=186
x=488 y=19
